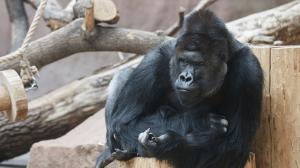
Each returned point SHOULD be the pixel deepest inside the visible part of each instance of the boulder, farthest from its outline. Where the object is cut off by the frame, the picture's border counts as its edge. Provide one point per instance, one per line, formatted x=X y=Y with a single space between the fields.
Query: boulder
x=77 y=149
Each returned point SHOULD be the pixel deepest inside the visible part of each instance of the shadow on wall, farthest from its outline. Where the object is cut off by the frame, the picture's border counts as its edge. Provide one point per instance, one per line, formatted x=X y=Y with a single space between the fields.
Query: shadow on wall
x=138 y=14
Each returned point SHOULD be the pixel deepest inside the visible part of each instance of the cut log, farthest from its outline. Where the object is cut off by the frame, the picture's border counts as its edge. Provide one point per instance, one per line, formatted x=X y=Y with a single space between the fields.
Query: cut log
x=13 y=99
x=277 y=142
x=262 y=145
x=285 y=107
x=105 y=11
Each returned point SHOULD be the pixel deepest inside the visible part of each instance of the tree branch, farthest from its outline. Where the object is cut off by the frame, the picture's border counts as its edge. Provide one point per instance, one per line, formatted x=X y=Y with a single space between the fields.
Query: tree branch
x=203 y=4
x=57 y=112
x=71 y=39
x=171 y=31
x=55 y=16
x=19 y=22
x=279 y=26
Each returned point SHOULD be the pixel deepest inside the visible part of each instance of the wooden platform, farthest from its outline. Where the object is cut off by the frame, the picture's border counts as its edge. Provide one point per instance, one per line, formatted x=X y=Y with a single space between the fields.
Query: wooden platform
x=153 y=163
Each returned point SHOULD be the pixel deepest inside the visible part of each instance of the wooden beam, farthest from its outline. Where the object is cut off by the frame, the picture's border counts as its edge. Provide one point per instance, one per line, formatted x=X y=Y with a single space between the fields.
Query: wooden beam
x=262 y=144
x=139 y=162
x=285 y=107
x=277 y=143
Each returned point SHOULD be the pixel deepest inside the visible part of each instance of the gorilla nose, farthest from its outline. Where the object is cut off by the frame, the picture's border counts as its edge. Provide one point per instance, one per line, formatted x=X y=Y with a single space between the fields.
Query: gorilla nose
x=186 y=77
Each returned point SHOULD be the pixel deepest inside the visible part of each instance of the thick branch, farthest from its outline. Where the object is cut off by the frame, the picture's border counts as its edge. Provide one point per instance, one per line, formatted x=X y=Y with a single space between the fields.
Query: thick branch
x=56 y=113
x=203 y=4
x=71 y=39
x=55 y=16
x=19 y=22
x=280 y=25
x=171 y=31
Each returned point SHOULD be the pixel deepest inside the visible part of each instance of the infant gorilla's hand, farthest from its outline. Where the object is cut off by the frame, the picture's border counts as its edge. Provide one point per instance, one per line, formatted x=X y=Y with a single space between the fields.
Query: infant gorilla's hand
x=148 y=139
x=152 y=145
x=217 y=123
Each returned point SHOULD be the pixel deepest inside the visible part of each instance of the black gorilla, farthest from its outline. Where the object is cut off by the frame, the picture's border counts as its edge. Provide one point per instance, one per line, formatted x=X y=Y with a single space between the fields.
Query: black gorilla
x=194 y=101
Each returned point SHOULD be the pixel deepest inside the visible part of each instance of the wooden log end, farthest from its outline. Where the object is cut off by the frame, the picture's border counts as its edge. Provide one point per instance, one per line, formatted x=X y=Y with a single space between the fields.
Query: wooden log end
x=12 y=83
x=105 y=11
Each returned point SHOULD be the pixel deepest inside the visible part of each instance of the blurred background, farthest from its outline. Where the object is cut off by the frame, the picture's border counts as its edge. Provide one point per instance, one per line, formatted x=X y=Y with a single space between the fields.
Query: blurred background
x=137 y=14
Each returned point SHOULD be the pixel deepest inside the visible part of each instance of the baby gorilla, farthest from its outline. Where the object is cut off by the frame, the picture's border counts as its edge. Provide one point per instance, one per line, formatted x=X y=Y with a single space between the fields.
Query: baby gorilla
x=174 y=104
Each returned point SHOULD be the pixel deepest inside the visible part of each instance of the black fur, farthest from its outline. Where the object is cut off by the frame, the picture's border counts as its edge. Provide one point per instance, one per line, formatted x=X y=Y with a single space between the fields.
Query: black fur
x=188 y=131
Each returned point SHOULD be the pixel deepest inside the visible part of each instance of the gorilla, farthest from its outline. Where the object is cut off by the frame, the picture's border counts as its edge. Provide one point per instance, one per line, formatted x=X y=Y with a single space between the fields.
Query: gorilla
x=194 y=101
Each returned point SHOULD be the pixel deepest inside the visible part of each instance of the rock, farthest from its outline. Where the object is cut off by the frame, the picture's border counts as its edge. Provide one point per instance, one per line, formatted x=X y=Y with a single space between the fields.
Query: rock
x=77 y=149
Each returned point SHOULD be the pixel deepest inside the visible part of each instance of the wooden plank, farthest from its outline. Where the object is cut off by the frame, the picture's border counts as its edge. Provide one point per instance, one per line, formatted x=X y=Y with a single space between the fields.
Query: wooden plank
x=140 y=162
x=285 y=107
x=262 y=144
x=143 y=163
x=251 y=163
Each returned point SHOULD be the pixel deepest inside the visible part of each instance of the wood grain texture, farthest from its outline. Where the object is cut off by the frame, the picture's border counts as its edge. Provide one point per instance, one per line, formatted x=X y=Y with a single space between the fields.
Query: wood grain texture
x=139 y=162
x=285 y=107
x=277 y=143
x=5 y=103
x=12 y=82
x=105 y=10
x=263 y=140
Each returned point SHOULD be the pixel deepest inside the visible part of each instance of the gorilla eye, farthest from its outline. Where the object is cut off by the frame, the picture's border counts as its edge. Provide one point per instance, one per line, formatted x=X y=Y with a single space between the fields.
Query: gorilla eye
x=183 y=62
x=200 y=63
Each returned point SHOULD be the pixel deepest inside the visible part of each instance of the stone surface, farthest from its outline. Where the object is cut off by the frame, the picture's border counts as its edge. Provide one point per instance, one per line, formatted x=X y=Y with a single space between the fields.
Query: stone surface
x=77 y=149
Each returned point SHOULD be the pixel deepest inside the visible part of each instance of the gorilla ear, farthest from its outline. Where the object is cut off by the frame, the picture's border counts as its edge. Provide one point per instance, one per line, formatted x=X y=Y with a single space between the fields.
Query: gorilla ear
x=233 y=46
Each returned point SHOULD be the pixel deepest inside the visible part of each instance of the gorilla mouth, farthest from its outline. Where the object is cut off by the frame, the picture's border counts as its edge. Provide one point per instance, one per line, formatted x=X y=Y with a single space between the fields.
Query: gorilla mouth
x=184 y=90
x=181 y=89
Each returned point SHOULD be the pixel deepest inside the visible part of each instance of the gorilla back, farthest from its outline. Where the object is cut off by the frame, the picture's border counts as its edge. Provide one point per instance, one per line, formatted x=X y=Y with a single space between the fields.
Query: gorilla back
x=194 y=101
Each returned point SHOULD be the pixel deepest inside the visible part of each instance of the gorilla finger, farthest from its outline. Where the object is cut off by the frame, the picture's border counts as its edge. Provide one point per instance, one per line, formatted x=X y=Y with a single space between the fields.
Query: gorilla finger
x=219 y=121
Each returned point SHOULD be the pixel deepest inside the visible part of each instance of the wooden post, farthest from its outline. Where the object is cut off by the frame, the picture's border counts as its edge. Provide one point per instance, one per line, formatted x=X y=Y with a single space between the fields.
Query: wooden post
x=89 y=21
x=262 y=144
x=277 y=143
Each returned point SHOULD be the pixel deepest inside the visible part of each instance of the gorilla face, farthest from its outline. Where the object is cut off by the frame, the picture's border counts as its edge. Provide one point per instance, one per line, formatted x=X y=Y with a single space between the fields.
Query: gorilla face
x=198 y=69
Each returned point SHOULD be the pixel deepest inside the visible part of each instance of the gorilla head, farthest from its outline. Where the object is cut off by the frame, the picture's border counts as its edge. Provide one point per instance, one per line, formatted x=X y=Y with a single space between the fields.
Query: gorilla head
x=200 y=65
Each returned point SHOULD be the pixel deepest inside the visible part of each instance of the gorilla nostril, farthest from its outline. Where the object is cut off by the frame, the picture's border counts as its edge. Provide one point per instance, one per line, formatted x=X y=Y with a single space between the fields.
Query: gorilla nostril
x=188 y=79
x=182 y=78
